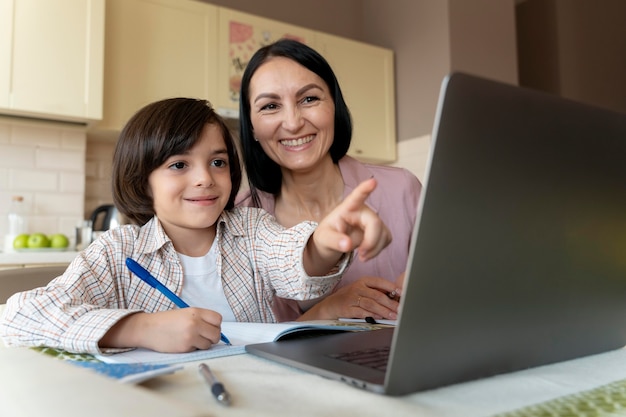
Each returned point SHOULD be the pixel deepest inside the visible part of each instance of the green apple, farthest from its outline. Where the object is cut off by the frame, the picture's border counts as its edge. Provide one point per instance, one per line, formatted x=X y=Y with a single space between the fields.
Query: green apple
x=20 y=241
x=38 y=240
x=59 y=241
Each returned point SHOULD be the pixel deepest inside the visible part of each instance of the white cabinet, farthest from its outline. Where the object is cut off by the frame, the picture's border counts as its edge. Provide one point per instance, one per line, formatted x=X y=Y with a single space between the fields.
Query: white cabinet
x=366 y=76
x=51 y=58
x=157 y=49
x=240 y=35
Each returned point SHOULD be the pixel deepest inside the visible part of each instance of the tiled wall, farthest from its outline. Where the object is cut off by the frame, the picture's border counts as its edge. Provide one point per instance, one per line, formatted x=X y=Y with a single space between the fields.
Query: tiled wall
x=413 y=155
x=45 y=163
x=99 y=157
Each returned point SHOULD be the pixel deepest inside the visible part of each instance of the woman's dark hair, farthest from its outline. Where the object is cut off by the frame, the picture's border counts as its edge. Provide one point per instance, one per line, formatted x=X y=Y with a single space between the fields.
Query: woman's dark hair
x=263 y=173
x=156 y=132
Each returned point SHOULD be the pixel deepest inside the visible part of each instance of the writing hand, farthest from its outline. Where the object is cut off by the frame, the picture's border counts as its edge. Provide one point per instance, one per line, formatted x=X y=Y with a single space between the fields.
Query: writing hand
x=172 y=331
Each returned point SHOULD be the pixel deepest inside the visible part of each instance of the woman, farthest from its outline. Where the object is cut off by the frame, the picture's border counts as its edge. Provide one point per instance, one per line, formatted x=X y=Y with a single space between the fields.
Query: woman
x=295 y=131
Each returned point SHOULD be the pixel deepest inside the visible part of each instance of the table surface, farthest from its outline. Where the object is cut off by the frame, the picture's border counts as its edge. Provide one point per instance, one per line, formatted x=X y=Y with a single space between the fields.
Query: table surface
x=262 y=388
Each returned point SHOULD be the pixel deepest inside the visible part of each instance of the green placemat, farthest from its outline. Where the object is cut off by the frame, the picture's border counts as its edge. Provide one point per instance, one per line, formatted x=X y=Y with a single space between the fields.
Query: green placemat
x=130 y=373
x=605 y=401
x=68 y=356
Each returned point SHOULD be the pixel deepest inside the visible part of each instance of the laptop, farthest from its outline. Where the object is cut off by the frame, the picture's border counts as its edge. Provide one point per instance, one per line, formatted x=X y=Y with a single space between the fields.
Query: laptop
x=518 y=257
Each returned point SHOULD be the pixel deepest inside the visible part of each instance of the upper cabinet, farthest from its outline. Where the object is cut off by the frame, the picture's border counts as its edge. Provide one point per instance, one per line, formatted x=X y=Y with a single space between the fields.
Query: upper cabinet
x=51 y=59
x=240 y=35
x=366 y=76
x=157 y=49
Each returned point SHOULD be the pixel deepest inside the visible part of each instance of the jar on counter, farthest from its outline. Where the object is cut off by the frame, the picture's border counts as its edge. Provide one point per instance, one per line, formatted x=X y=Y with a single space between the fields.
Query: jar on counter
x=17 y=222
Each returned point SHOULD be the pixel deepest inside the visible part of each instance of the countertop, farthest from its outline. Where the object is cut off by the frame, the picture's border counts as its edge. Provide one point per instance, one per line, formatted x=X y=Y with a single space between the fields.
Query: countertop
x=36 y=258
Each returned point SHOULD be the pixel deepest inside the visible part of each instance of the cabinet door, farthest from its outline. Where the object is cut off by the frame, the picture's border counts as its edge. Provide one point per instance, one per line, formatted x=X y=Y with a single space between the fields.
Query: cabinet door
x=365 y=74
x=57 y=58
x=156 y=49
x=6 y=33
x=240 y=36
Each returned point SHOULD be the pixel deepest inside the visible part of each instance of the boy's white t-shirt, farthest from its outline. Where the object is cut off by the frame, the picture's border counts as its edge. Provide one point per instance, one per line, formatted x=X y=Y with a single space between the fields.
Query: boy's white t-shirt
x=202 y=285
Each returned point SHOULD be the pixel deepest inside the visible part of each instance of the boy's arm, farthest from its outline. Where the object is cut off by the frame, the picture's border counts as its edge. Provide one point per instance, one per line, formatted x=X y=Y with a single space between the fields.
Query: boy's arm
x=351 y=225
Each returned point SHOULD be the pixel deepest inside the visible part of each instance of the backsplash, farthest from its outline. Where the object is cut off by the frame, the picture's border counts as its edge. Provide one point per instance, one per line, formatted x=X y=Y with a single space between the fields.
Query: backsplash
x=99 y=157
x=413 y=155
x=45 y=163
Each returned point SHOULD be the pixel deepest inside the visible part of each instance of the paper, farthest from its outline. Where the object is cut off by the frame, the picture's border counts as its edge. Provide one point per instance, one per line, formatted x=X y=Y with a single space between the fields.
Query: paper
x=240 y=335
x=142 y=355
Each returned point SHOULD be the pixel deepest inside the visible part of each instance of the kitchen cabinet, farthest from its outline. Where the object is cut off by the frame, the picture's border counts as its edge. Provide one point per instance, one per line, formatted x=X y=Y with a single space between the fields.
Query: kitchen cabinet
x=156 y=49
x=164 y=48
x=366 y=76
x=240 y=35
x=51 y=59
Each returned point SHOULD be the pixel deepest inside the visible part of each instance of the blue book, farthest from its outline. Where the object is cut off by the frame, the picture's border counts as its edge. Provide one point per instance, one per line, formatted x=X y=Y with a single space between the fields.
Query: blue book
x=128 y=373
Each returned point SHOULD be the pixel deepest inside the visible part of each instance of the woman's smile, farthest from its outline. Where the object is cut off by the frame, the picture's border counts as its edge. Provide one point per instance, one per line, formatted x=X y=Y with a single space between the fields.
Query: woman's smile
x=297 y=142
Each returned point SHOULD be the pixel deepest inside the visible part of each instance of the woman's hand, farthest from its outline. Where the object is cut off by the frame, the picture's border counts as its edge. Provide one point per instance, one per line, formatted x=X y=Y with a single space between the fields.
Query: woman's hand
x=174 y=331
x=366 y=297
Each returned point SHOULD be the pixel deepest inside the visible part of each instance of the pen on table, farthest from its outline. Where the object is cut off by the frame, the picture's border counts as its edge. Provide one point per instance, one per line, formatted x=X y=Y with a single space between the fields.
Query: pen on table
x=217 y=388
x=145 y=276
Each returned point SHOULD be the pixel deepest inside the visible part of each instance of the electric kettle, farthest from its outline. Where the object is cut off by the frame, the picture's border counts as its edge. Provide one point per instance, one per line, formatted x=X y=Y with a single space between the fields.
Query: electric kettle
x=110 y=218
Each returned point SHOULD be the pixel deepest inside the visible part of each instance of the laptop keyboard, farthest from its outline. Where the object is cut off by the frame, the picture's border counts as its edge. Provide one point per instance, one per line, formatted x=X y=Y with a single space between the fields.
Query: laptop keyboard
x=375 y=358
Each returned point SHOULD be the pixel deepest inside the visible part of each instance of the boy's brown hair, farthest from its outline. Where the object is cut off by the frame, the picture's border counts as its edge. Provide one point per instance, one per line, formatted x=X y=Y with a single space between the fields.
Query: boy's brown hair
x=156 y=132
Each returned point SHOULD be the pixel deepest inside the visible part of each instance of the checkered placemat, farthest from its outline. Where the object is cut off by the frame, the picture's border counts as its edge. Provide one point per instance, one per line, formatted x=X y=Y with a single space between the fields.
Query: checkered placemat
x=605 y=401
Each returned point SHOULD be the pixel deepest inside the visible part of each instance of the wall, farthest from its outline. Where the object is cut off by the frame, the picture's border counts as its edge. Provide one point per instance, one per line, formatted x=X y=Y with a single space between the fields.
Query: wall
x=45 y=163
x=418 y=33
x=574 y=48
x=98 y=161
x=346 y=21
x=413 y=154
x=434 y=38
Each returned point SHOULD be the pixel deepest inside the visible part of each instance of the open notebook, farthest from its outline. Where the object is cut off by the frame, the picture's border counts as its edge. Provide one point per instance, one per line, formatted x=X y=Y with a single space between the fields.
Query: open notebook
x=240 y=335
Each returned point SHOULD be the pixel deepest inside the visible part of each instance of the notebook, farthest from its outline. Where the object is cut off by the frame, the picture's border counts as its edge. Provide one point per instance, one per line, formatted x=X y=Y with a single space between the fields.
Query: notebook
x=518 y=256
x=240 y=334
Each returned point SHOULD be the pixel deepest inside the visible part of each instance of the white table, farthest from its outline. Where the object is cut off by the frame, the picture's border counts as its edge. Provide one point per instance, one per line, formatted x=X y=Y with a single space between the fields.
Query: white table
x=262 y=388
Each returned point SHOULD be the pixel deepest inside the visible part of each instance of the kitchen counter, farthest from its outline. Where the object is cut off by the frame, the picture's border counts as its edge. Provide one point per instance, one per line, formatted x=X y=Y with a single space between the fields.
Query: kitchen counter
x=36 y=258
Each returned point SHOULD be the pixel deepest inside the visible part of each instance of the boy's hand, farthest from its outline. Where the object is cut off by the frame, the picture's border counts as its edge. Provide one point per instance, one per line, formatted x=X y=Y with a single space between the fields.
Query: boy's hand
x=352 y=224
x=174 y=331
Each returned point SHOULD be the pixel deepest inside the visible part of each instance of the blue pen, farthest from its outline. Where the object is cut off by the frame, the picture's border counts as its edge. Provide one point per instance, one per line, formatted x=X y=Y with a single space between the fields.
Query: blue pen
x=145 y=276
